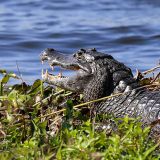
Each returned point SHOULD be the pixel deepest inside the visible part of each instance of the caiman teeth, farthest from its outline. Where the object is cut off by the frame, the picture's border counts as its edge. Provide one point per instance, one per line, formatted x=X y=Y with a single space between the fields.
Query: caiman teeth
x=45 y=75
x=46 y=72
x=60 y=75
x=52 y=67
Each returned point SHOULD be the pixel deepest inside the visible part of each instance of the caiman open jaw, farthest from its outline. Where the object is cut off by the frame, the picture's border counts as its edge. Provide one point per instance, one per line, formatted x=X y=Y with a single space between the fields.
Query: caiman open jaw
x=69 y=62
x=99 y=75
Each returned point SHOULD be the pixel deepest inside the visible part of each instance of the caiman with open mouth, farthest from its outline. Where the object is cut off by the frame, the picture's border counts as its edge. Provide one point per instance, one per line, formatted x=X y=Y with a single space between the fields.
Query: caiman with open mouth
x=98 y=75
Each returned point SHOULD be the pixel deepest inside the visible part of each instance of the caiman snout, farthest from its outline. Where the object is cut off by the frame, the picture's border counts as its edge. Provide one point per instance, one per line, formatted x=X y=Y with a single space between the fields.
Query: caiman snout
x=56 y=58
x=47 y=54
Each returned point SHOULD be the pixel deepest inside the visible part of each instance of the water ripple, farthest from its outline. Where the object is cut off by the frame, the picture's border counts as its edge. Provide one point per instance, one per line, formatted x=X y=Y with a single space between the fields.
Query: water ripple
x=129 y=31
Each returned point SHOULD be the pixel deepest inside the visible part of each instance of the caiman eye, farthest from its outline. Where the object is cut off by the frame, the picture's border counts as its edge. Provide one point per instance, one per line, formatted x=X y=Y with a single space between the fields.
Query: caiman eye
x=79 y=54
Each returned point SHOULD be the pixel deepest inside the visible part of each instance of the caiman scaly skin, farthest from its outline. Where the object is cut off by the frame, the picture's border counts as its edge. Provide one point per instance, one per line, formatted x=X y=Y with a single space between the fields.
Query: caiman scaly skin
x=100 y=75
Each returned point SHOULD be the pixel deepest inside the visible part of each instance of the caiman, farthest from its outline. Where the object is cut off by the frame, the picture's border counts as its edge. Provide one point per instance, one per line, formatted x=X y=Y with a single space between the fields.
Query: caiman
x=98 y=75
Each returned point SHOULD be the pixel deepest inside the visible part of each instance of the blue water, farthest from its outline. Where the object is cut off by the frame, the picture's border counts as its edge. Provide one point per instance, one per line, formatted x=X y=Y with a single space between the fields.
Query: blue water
x=129 y=30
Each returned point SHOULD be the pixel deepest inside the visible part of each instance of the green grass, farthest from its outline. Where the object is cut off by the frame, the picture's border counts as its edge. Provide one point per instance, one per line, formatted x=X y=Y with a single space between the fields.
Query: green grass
x=29 y=129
